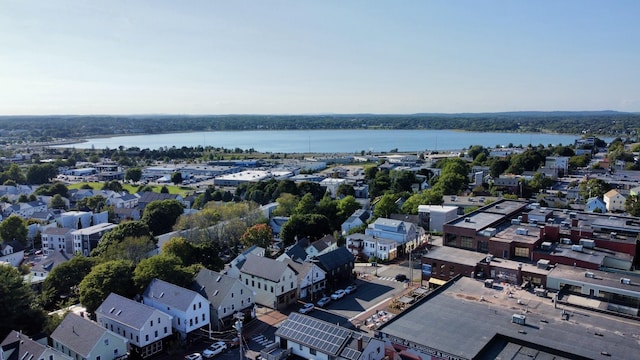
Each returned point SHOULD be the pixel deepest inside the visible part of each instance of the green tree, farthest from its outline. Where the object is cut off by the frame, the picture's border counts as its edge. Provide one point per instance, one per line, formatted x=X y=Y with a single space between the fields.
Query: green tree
x=57 y=202
x=176 y=178
x=386 y=206
x=259 y=235
x=111 y=276
x=132 y=229
x=161 y=215
x=307 y=205
x=346 y=207
x=131 y=248
x=41 y=173
x=286 y=204
x=64 y=279
x=402 y=180
x=451 y=183
x=632 y=205
x=18 y=304
x=345 y=189
x=427 y=197
x=133 y=174
x=14 y=173
x=95 y=203
x=164 y=189
x=164 y=267
x=313 y=226
x=14 y=227
x=593 y=188
x=113 y=185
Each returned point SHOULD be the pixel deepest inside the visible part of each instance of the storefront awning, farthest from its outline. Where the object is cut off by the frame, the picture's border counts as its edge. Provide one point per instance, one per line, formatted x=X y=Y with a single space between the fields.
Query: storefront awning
x=435 y=281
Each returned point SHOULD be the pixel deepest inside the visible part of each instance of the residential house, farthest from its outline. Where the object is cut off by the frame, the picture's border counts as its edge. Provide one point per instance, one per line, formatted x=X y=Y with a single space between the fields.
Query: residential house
x=25 y=210
x=326 y=244
x=298 y=251
x=274 y=282
x=189 y=309
x=614 y=201
x=55 y=239
x=126 y=214
x=312 y=280
x=41 y=269
x=358 y=218
x=19 y=346
x=83 y=339
x=595 y=204
x=338 y=266
x=227 y=296
x=85 y=240
x=276 y=224
x=12 y=252
x=124 y=200
x=406 y=234
x=143 y=326
x=311 y=338
x=238 y=261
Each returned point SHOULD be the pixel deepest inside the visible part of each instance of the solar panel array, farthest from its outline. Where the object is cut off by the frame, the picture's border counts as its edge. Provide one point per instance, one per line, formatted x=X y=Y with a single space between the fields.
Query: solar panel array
x=313 y=333
x=351 y=354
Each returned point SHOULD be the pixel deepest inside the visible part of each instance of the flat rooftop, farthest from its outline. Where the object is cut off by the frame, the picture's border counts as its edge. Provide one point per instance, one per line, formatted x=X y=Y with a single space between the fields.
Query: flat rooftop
x=476 y=221
x=601 y=278
x=512 y=234
x=467 y=320
x=454 y=255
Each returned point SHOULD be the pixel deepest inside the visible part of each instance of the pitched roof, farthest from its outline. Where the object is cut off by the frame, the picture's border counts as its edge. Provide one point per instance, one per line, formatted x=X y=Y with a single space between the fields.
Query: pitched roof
x=78 y=334
x=149 y=196
x=301 y=268
x=335 y=258
x=324 y=242
x=213 y=285
x=611 y=193
x=126 y=311
x=296 y=251
x=170 y=294
x=51 y=261
x=263 y=267
x=21 y=347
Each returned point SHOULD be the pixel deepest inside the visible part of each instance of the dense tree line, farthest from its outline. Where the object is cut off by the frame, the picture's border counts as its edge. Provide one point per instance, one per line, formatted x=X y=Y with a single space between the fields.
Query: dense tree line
x=41 y=128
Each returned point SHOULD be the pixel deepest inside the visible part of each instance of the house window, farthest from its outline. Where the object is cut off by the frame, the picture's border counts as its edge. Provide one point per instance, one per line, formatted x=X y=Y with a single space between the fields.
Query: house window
x=152 y=323
x=165 y=329
x=146 y=337
x=196 y=320
x=158 y=320
x=178 y=321
x=271 y=289
x=106 y=342
x=258 y=285
x=246 y=281
x=253 y=283
x=240 y=293
x=200 y=305
x=312 y=351
x=155 y=333
x=98 y=357
x=202 y=317
x=137 y=339
x=194 y=306
x=190 y=322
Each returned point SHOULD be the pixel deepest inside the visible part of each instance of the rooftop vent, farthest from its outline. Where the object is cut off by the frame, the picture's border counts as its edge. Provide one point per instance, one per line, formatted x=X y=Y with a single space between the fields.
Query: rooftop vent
x=590 y=275
x=519 y=319
x=625 y=281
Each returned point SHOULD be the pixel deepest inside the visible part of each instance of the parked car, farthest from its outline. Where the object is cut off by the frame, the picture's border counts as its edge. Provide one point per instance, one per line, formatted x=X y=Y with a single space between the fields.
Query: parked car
x=351 y=289
x=194 y=356
x=324 y=301
x=214 y=349
x=401 y=277
x=306 y=308
x=338 y=294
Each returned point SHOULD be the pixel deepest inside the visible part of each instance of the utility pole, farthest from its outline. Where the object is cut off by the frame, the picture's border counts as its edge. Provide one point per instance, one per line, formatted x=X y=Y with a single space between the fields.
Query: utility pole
x=238 y=326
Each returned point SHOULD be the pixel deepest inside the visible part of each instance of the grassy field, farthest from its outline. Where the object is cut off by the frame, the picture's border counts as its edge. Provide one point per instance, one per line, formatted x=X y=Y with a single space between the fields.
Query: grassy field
x=132 y=189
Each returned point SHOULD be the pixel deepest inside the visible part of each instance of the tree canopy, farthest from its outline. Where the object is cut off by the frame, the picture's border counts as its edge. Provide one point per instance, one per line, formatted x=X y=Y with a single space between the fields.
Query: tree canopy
x=161 y=215
x=111 y=276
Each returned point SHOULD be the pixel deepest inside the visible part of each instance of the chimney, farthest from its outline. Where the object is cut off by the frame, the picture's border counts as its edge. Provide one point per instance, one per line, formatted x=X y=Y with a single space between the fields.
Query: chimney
x=360 y=343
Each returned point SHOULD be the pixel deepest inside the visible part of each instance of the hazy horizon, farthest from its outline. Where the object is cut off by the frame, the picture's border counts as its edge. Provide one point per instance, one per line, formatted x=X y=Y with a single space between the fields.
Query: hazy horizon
x=207 y=57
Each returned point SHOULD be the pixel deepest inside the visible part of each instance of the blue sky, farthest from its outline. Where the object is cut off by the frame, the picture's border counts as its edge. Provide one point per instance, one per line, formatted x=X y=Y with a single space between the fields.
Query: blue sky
x=308 y=57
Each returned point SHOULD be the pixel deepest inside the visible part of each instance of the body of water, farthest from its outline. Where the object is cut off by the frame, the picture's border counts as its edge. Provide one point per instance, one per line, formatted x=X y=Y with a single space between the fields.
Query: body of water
x=328 y=141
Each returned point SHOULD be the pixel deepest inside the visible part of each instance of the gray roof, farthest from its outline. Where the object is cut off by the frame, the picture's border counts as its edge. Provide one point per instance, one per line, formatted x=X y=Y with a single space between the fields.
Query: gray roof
x=456 y=320
x=21 y=347
x=170 y=294
x=214 y=286
x=335 y=259
x=51 y=261
x=125 y=311
x=263 y=267
x=78 y=334
x=301 y=268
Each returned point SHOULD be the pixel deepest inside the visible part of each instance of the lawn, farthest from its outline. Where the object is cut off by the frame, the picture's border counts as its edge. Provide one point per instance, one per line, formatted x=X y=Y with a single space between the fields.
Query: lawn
x=132 y=189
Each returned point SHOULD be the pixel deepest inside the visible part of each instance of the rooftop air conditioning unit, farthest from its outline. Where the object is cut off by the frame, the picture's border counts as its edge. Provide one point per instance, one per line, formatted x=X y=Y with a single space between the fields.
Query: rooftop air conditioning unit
x=519 y=319
x=578 y=248
x=625 y=281
x=467 y=220
x=590 y=275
